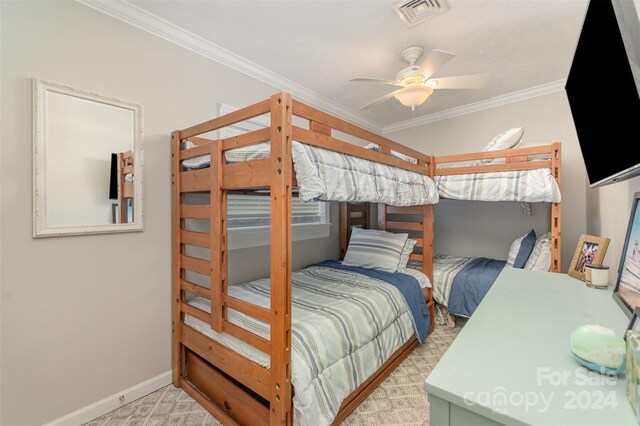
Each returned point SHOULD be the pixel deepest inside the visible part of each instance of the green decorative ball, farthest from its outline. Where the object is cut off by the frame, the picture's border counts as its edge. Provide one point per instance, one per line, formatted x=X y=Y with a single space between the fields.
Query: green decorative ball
x=598 y=345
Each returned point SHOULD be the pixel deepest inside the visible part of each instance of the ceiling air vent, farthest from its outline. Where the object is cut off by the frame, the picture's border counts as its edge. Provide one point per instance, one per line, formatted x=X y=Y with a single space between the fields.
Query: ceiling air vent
x=413 y=12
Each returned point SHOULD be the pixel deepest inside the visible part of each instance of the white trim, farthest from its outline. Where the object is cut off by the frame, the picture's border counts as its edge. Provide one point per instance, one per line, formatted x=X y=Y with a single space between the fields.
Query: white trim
x=110 y=403
x=140 y=18
x=508 y=98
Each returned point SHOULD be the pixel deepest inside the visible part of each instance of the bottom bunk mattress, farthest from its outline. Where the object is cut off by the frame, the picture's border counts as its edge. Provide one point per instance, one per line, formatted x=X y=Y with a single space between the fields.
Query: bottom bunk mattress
x=460 y=283
x=346 y=322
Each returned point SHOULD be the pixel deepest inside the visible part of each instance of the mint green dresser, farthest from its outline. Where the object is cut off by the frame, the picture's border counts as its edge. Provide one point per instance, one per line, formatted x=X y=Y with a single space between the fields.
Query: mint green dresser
x=511 y=363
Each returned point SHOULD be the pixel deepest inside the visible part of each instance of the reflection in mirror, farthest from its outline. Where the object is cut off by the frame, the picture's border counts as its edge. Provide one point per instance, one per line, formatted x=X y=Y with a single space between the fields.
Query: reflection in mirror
x=87 y=162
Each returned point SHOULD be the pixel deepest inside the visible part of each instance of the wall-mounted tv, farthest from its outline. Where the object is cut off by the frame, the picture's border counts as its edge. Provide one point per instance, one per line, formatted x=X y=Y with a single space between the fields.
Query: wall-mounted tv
x=627 y=291
x=603 y=89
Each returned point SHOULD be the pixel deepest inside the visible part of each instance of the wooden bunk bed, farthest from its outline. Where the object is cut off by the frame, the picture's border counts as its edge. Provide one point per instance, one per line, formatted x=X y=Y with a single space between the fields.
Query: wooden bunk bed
x=527 y=174
x=515 y=159
x=125 y=185
x=231 y=387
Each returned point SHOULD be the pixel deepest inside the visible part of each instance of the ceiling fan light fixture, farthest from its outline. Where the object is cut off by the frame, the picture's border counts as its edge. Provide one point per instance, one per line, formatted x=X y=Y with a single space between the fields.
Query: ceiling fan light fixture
x=413 y=96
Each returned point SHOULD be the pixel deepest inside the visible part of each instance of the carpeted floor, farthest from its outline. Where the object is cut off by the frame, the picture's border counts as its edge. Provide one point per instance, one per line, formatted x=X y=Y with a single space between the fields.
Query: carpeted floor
x=399 y=400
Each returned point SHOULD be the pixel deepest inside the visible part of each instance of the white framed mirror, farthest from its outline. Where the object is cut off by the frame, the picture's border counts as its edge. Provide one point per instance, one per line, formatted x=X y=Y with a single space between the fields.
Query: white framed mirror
x=87 y=162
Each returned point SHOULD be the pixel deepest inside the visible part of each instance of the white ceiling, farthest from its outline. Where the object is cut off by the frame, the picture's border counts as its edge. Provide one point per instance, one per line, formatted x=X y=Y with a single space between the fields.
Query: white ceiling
x=322 y=44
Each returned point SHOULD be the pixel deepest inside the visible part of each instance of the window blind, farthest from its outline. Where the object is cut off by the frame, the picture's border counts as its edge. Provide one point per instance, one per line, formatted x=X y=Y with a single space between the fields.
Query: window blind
x=255 y=210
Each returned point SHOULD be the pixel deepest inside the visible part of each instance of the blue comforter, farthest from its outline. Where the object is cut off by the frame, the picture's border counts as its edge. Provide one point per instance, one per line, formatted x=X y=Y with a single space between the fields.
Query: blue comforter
x=472 y=283
x=406 y=284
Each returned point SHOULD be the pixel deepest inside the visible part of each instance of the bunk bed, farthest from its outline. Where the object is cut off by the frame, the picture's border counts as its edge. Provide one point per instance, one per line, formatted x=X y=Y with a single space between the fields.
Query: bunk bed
x=125 y=185
x=527 y=175
x=236 y=349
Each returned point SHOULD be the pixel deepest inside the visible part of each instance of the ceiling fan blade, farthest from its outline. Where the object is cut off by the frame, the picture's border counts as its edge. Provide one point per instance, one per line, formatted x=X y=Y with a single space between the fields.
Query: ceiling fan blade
x=435 y=60
x=376 y=80
x=377 y=101
x=476 y=81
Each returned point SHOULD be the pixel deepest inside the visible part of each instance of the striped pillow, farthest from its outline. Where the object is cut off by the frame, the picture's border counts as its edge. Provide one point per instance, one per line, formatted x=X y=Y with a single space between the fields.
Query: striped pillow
x=370 y=248
x=540 y=258
x=406 y=252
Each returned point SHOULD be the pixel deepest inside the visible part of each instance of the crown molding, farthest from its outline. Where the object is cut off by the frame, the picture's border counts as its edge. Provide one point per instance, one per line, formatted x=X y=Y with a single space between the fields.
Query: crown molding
x=140 y=18
x=520 y=95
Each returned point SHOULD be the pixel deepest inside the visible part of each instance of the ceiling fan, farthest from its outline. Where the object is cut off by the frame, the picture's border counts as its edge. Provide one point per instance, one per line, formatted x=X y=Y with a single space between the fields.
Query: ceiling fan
x=416 y=82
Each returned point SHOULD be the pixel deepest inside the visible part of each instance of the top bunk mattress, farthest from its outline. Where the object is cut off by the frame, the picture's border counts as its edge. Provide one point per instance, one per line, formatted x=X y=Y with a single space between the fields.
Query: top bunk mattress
x=332 y=176
x=532 y=186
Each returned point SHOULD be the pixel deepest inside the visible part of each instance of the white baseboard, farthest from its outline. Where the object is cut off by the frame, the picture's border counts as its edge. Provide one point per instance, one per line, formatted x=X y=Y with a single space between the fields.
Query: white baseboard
x=110 y=403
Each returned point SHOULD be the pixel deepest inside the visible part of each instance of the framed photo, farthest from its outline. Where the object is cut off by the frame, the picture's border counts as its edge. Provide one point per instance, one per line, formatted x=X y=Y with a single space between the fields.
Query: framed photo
x=634 y=323
x=590 y=250
x=627 y=291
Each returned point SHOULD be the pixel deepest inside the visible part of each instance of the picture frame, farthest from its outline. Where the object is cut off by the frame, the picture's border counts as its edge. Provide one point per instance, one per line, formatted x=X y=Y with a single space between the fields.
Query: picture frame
x=634 y=323
x=590 y=250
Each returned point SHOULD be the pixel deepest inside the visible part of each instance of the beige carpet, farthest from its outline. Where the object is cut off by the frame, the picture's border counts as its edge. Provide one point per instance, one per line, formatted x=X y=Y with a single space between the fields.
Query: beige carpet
x=399 y=400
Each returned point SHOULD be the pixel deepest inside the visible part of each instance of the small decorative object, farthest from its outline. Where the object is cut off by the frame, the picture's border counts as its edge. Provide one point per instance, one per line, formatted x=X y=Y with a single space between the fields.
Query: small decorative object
x=634 y=324
x=590 y=250
x=632 y=371
x=599 y=349
x=596 y=275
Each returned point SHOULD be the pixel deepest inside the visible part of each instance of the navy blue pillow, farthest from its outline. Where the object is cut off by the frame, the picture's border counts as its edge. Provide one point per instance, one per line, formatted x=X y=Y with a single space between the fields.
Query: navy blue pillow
x=526 y=247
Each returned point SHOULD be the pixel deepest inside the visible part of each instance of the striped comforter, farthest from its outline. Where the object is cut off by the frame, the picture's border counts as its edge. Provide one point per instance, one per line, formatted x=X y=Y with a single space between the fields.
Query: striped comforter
x=344 y=327
x=445 y=269
x=332 y=176
x=532 y=186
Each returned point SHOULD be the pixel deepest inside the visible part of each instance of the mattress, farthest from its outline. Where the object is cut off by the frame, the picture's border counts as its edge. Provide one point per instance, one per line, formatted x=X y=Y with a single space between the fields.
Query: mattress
x=332 y=176
x=537 y=185
x=333 y=350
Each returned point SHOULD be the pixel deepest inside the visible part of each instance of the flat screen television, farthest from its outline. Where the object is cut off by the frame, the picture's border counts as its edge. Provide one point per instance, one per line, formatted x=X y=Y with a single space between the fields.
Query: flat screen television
x=603 y=89
x=627 y=290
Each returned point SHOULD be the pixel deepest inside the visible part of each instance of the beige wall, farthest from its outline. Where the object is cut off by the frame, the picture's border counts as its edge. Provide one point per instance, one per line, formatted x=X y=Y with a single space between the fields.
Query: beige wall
x=487 y=229
x=75 y=329
x=609 y=208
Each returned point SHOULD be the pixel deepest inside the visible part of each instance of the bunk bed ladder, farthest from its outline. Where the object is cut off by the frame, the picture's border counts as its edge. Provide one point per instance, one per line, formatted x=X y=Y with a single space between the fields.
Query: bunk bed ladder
x=556 y=211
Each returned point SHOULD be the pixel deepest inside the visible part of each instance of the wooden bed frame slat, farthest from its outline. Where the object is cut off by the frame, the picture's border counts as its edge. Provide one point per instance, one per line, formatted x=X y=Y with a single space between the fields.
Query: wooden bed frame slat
x=247 y=372
x=246 y=139
x=488 y=155
x=195 y=312
x=234 y=117
x=488 y=168
x=195 y=181
x=195 y=211
x=255 y=311
x=196 y=289
x=196 y=265
x=198 y=151
x=333 y=144
x=249 y=174
x=410 y=210
x=404 y=226
x=200 y=239
x=246 y=336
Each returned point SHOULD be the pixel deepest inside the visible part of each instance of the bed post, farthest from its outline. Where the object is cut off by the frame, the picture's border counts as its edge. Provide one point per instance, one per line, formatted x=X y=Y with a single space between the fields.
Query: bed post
x=556 y=212
x=218 y=240
x=427 y=245
x=176 y=271
x=281 y=186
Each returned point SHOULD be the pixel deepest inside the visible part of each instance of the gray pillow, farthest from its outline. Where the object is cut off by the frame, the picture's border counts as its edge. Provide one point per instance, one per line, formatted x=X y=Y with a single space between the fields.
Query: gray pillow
x=370 y=248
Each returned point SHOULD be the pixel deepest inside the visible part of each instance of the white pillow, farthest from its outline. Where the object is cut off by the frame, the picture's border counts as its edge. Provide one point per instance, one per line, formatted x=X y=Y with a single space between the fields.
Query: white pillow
x=505 y=140
x=406 y=252
x=540 y=259
x=370 y=248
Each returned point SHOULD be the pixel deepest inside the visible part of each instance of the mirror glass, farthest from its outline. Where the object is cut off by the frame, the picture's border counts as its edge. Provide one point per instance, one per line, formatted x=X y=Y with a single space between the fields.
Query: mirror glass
x=87 y=162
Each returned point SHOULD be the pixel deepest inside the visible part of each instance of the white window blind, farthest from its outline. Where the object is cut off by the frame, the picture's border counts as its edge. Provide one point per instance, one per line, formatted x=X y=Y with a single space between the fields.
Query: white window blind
x=255 y=210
